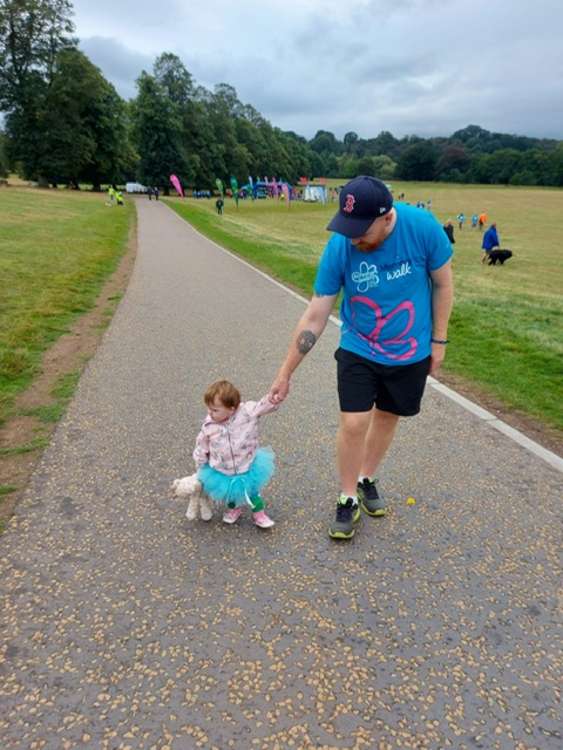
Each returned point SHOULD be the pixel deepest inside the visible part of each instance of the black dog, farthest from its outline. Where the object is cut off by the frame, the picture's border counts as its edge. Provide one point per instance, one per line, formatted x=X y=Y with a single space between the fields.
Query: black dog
x=500 y=256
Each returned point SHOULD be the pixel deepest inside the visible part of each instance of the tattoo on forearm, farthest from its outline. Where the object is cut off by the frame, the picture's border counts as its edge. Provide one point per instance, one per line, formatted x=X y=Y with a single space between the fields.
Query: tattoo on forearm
x=306 y=341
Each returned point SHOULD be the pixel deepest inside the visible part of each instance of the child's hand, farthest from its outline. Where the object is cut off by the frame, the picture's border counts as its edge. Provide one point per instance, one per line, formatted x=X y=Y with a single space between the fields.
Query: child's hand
x=279 y=389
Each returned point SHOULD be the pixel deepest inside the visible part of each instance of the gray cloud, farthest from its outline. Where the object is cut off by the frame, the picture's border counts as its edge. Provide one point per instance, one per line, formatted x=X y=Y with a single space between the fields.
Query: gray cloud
x=121 y=65
x=415 y=66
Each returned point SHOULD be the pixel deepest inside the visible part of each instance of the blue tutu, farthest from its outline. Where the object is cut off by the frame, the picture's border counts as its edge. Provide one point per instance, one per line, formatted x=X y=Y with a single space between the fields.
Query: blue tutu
x=237 y=489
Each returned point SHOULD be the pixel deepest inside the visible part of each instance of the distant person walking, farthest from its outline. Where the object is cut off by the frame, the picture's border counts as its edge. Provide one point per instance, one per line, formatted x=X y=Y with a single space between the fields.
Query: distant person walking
x=490 y=241
x=483 y=218
x=449 y=230
x=156 y=192
x=219 y=205
x=474 y=220
x=460 y=220
x=149 y=193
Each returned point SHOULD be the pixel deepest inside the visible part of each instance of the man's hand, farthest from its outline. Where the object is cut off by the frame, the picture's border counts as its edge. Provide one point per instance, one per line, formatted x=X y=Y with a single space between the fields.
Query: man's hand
x=436 y=358
x=279 y=389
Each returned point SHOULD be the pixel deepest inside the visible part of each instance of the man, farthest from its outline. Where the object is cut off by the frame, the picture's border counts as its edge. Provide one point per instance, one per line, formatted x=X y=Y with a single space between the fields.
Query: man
x=393 y=264
x=490 y=241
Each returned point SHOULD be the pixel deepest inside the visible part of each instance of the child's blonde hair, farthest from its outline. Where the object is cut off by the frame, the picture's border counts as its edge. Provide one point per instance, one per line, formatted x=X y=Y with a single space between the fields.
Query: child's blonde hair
x=226 y=392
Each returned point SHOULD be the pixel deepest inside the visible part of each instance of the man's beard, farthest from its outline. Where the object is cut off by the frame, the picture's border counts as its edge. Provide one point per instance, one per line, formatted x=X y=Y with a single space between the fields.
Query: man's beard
x=366 y=247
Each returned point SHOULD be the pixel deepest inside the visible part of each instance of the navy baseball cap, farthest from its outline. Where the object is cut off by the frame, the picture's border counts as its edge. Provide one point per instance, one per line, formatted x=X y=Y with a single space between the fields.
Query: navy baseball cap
x=362 y=200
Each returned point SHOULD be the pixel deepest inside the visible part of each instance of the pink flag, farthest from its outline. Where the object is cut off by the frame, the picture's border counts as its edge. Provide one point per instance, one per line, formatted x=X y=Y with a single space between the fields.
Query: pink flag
x=285 y=191
x=176 y=183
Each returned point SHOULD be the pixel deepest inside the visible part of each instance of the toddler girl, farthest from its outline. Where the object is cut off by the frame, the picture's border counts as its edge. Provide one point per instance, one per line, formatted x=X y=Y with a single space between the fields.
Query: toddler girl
x=231 y=466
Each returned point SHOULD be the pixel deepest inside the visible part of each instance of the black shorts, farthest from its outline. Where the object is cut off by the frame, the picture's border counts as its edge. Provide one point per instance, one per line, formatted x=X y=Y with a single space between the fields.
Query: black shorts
x=394 y=388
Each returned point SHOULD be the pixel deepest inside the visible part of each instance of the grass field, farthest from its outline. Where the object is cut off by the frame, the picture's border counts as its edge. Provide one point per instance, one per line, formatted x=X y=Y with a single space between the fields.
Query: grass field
x=507 y=327
x=56 y=249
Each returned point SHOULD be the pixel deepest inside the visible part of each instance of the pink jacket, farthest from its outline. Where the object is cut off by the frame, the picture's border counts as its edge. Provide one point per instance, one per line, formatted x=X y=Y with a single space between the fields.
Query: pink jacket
x=230 y=446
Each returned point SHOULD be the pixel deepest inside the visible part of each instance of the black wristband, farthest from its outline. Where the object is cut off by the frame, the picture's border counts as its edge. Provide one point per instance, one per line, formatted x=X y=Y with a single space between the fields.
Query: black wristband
x=439 y=341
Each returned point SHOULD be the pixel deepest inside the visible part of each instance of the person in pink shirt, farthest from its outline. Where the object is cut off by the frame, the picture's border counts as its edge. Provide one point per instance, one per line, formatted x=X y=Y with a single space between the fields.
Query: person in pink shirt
x=231 y=466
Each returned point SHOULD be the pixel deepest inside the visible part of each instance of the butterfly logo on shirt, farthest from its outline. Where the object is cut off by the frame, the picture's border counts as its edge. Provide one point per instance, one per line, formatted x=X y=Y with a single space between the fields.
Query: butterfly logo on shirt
x=366 y=276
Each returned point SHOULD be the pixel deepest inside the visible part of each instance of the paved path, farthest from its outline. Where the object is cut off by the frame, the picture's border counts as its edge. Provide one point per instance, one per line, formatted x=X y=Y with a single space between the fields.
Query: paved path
x=124 y=626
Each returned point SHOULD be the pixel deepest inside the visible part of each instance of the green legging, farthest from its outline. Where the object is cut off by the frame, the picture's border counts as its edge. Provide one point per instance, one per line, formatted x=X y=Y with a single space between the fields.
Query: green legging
x=256 y=503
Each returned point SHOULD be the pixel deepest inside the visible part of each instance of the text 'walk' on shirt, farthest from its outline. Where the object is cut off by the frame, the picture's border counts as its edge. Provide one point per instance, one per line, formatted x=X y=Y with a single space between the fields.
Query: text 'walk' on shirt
x=386 y=310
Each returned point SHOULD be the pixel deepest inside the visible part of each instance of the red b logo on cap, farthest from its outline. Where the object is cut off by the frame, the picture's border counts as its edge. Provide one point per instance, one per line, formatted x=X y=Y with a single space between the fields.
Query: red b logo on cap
x=349 y=205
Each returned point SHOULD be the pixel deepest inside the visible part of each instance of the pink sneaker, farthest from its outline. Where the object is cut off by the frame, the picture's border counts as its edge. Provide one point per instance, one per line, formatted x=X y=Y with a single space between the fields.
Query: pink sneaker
x=233 y=515
x=262 y=520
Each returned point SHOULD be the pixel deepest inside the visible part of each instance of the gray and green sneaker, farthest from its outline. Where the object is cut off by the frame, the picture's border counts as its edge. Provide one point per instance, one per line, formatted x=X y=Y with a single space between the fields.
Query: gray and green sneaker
x=369 y=498
x=347 y=515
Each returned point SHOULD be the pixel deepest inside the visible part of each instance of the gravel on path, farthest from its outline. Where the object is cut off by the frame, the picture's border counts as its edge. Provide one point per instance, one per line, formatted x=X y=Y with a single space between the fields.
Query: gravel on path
x=126 y=626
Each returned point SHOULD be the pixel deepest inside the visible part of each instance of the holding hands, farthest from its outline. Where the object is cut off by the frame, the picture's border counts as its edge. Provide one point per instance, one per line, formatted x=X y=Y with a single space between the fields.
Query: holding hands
x=279 y=388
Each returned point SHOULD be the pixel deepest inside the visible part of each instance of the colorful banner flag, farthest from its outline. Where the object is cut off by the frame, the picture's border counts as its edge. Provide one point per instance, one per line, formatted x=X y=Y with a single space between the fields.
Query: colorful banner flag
x=220 y=187
x=234 y=188
x=177 y=185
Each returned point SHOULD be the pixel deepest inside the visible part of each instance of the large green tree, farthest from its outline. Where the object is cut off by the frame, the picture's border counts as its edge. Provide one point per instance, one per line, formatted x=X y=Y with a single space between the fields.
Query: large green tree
x=453 y=157
x=418 y=162
x=82 y=125
x=350 y=140
x=3 y=156
x=32 y=33
x=171 y=73
x=384 y=144
x=158 y=129
x=300 y=155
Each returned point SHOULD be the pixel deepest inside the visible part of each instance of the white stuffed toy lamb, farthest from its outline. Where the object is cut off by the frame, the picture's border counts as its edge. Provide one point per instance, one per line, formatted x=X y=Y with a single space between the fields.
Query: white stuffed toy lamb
x=190 y=487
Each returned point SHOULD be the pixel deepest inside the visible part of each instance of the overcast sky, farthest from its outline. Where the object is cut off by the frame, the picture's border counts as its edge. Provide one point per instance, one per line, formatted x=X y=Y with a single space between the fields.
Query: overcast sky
x=425 y=67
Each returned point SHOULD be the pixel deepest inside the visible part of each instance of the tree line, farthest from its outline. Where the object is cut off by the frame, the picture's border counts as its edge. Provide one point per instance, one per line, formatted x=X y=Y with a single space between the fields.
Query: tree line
x=64 y=123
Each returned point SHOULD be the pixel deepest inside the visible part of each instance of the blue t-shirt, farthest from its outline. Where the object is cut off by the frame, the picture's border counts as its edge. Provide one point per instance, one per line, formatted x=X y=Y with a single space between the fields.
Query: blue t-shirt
x=386 y=309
